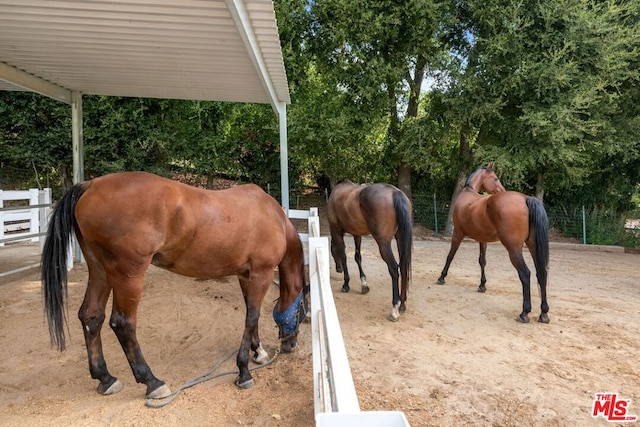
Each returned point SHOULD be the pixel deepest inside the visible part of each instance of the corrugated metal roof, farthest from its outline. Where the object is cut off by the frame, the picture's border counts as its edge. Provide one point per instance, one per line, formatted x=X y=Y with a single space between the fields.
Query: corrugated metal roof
x=187 y=49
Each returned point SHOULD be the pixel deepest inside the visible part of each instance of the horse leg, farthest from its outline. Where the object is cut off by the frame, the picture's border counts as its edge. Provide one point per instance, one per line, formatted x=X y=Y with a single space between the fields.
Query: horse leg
x=483 y=262
x=339 y=253
x=515 y=255
x=455 y=244
x=541 y=275
x=92 y=315
x=387 y=255
x=254 y=287
x=127 y=290
x=358 y=257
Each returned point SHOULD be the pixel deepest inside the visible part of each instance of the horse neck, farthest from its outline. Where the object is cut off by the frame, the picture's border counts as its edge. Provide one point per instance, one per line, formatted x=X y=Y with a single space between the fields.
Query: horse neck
x=475 y=181
x=291 y=270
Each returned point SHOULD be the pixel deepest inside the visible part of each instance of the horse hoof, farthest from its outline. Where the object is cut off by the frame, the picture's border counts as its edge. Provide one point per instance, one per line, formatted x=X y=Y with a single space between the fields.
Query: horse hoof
x=544 y=318
x=523 y=318
x=482 y=289
x=440 y=281
x=364 y=289
x=113 y=388
x=261 y=356
x=160 y=393
x=394 y=315
x=245 y=384
x=403 y=308
x=345 y=289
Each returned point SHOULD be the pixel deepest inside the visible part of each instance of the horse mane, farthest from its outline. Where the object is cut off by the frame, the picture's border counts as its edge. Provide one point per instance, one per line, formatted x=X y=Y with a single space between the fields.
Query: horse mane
x=489 y=168
x=470 y=177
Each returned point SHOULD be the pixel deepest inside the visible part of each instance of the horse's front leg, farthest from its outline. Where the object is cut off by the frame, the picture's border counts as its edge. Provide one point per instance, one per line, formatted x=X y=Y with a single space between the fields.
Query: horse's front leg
x=245 y=380
x=254 y=286
x=456 y=239
x=364 y=287
x=483 y=262
x=126 y=297
x=92 y=315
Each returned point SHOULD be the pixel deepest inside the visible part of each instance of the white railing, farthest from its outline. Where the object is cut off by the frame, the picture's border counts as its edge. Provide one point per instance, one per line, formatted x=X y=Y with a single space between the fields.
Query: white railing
x=335 y=399
x=24 y=222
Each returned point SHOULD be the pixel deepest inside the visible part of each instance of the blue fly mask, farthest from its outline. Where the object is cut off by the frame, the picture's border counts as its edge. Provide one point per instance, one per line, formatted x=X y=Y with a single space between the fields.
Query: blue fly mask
x=289 y=320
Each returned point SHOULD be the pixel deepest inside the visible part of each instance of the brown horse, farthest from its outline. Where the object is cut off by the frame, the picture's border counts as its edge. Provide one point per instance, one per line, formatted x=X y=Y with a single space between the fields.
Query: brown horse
x=508 y=216
x=126 y=221
x=383 y=211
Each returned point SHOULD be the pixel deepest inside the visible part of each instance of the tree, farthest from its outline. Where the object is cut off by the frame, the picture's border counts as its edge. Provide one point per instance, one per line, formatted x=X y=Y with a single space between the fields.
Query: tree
x=377 y=53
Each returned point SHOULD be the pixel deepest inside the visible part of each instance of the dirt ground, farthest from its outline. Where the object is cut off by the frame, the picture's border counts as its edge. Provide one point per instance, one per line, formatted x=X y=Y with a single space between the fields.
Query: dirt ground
x=457 y=357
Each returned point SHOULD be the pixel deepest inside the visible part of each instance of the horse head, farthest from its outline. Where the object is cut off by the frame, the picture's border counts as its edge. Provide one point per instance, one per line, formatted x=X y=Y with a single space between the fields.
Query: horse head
x=289 y=320
x=484 y=179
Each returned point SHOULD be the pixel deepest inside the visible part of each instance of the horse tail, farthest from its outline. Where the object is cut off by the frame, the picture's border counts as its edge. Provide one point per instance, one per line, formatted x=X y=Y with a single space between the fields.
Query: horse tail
x=54 y=263
x=404 y=236
x=539 y=225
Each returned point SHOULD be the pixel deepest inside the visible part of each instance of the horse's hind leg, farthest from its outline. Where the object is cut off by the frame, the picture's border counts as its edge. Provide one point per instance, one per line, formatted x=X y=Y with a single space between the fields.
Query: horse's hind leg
x=541 y=275
x=483 y=262
x=358 y=257
x=92 y=315
x=339 y=253
x=387 y=255
x=126 y=296
x=515 y=255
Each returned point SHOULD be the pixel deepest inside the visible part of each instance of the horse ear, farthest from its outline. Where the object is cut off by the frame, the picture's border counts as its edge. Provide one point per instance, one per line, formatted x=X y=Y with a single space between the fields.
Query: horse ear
x=490 y=166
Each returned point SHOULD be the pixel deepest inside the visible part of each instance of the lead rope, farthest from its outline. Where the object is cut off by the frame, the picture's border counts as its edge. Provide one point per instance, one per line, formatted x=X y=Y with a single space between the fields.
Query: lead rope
x=207 y=376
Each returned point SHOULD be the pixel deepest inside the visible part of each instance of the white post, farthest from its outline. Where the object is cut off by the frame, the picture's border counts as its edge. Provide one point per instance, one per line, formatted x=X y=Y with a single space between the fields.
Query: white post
x=44 y=198
x=78 y=150
x=34 y=222
x=1 y=219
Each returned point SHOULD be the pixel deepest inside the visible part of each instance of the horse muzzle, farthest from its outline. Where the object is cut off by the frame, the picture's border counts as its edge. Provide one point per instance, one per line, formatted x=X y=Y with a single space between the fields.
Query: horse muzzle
x=289 y=320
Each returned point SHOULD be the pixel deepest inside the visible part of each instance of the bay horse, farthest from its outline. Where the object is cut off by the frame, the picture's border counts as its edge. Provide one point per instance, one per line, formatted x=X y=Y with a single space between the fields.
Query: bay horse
x=383 y=211
x=512 y=218
x=126 y=221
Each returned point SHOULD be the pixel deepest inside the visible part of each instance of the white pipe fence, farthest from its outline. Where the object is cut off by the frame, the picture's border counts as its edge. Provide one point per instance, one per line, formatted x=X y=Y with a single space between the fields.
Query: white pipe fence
x=24 y=222
x=335 y=399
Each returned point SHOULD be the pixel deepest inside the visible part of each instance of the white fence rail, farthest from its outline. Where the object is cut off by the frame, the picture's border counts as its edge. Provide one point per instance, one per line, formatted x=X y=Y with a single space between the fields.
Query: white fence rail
x=335 y=399
x=24 y=222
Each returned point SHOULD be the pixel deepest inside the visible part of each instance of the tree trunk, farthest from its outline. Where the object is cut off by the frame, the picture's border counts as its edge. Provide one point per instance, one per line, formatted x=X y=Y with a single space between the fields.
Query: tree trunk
x=415 y=85
x=66 y=176
x=539 y=187
x=467 y=158
x=404 y=180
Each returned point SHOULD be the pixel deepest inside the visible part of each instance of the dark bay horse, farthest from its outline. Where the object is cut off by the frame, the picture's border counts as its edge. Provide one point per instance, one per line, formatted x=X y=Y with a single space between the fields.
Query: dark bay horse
x=383 y=211
x=126 y=221
x=512 y=218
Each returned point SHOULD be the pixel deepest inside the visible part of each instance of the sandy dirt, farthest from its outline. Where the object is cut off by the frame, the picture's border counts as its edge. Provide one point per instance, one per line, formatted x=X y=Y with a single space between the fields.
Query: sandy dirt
x=457 y=357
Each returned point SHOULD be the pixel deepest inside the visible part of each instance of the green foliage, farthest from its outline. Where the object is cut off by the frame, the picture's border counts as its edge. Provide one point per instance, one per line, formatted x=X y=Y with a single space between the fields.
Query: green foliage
x=548 y=90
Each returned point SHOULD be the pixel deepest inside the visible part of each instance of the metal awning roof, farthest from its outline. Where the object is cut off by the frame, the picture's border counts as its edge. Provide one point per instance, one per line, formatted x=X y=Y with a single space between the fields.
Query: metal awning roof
x=218 y=50
x=184 y=49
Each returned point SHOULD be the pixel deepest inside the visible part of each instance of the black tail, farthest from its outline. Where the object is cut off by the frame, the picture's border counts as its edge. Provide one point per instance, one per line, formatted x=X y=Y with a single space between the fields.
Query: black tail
x=539 y=225
x=404 y=237
x=54 y=263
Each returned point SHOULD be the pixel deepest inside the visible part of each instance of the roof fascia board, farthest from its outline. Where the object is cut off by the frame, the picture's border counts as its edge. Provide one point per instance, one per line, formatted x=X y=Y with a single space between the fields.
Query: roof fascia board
x=33 y=83
x=241 y=18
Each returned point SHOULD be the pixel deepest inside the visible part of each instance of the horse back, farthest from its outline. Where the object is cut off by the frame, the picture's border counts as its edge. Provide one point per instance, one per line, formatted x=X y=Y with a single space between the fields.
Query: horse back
x=343 y=210
x=195 y=232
